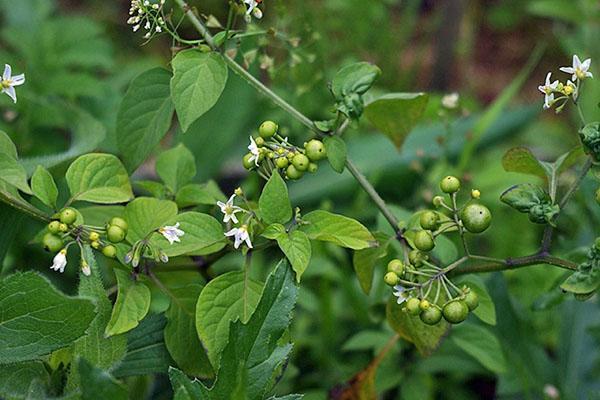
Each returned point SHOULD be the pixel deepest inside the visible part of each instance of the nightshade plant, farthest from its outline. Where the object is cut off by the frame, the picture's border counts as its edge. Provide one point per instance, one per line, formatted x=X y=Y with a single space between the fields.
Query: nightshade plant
x=229 y=338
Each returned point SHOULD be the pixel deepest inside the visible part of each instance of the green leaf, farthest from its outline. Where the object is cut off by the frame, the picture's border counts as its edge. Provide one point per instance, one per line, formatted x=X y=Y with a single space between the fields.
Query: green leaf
x=176 y=167
x=585 y=280
x=7 y=146
x=343 y=231
x=354 y=78
x=181 y=337
x=37 y=319
x=273 y=231
x=336 y=152
x=486 y=311
x=44 y=187
x=132 y=305
x=16 y=379
x=396 y=114
x=274 y=202
x=426 y=338
x=185 y=389
x=227 y=298
x=197 y=83
x=195 y=194
x=203 y=235
x=147 y=214
x=13 y=173
x=364 y=261
x=522 y=160
x=296 y=247
x=524 y=196
x=99 y=384
x=98 y=178
x=481 y=344
x=144 y=116
x=155 y=189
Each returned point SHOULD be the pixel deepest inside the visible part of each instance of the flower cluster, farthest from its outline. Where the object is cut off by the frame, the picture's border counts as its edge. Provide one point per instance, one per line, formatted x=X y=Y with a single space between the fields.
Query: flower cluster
x=239 y=234
x=9 y=82
x=270 y=152
x=558 y=92
x=147 y=14
x=252 y=9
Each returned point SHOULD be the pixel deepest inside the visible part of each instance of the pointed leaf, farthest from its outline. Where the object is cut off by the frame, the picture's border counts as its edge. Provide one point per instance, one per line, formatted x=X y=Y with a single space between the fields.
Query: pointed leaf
x=99 y=384
x=336 y=152
x=343 y=231
x=13 y=173
x=176 y=167
x=364 y=261
x=274 y=202
x=44 y=187
x=146 y=214
x=132 y=305
x=480 y=344
x=297 y=249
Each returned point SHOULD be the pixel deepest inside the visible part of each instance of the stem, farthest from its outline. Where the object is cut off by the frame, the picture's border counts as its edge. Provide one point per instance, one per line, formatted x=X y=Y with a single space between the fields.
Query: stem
x=575 y=185
x=518 y=262
x=24 y=207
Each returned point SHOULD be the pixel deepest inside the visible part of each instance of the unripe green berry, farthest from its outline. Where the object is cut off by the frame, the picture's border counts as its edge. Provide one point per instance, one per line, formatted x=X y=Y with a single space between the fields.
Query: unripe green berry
x=455 y=311
x=259 y=141
x=115 y=234
x=438 y=201
x=396 y=266
x=109 y=251
x=68 y=216
x=95 y=244
x=315 y=150
x=120 y=222
x=247 y=163
x=281 y=162
x=63 y=227
x=292 y=173
x=54 y=227
x=312 y=167
x=471 y=300
x=432 y=315
x=300 y=161
x=52 y=242
x=429 y=220
x=424 y=304
x=267 y=129
x=476 y=194
x=476 y=218
x=450 y=184
x=391 y=279
x=416 y=258
x=94 y=236
x=424 y=240
x=412 y=306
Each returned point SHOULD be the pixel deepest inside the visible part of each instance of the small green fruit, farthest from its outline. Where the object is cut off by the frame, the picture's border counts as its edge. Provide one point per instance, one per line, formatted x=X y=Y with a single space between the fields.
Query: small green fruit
x=259 y=141
x=429 y=220
x=120 y=222
x=247 y=163
x=300 y=161
x=292 y=173
x=416 y=258
x=455 y=311
x=412 y=306
x=450 y=184
x=54 y=227
x=391 y=279
x=432 y=315
x=115 y=234
x=68 y=216
x=396 y=266
x=438 y=201
x=62 y=227
x=312 y=167
x=95 y=244
x=471 y=300
x=424 y=304
x=109 y=251
x=424 y=240
x=267 y=129
x=476 y=218
x=281 y=162
x=94 y=236
x=52 y=243
x=315 y=150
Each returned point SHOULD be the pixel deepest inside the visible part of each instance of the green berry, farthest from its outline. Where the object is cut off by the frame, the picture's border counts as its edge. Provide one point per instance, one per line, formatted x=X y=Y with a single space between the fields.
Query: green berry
x=247 y=163
x=68 y=216
x=315 y=150
x=455 y=311
x=312 y=167
x=432 y=315
x=115 y=234
x=54 y=227
x=450 y=184
x=416 y=258
x=267 y=129
x=109 y=251
x=424 y=304
x=94 y=236
x=429 y=220
x=396 y=266
x=95 y=244
x=471 y=300
x=292 y=173
x=476 y=218
x=52 y=243
x=281 y=162
x=63 y=227
x=259 y=141
x=412 y=306
x=391 y=279
x=120 y=222
x=300 y=161
x=438 y=201
x=424 y=240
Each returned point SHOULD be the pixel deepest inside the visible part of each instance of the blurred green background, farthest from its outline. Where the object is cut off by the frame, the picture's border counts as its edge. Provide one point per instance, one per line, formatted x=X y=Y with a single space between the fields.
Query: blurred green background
x=79 y=57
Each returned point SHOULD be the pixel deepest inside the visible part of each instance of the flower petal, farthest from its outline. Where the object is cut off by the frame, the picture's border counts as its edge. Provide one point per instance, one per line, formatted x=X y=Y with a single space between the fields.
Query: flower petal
x=7 y=72
x=18 y=80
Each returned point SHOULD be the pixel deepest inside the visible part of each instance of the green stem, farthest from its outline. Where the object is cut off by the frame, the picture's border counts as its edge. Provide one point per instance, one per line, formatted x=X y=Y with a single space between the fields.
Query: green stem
x=24 y=207
x=518 y=262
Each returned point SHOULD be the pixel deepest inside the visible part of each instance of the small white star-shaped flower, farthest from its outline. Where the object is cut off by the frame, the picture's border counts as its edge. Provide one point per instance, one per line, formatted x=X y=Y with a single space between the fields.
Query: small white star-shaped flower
x=579 y=70
x=229 y=210
x=172 y=233
x=450 y=101
x=240 y=235
x=60 y=261
x=252 y=8
x=9 y=82
x=401 y=293
x=85 y=268
x=548 y=90
x=254 y=150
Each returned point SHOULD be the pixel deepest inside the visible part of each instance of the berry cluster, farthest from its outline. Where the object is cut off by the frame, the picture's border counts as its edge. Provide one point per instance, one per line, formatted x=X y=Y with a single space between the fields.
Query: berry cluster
x=270 y=151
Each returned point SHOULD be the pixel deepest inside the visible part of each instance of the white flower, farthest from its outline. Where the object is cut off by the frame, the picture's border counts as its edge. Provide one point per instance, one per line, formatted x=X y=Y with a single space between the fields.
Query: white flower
x=172 y=233
x=252 y=8
x=9 y=82
x=400 y=293
x=450 y=101
x=229 y=210
x=240 y=235
x=548 y=89
x=60 y=261
x=254 y=150
x=579 y=70
x=85 y=268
